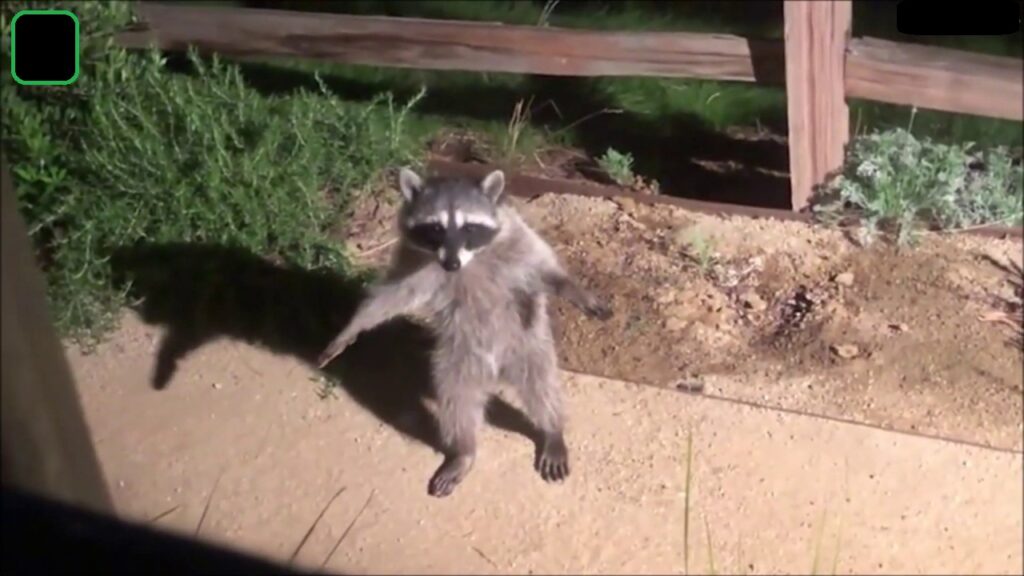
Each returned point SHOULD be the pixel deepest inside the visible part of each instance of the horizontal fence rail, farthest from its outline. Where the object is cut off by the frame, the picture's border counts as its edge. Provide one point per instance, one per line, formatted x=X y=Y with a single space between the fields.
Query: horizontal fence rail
x=897 y=73
x=937 y=78
x=455 y=45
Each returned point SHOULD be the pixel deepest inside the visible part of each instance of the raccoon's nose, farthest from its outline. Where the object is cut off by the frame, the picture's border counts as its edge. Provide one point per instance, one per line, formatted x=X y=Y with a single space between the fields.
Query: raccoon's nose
x=451 y=264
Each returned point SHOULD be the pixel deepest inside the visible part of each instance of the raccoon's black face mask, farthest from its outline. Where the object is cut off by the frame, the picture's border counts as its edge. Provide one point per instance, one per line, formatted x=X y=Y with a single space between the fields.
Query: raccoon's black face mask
x=453 y=218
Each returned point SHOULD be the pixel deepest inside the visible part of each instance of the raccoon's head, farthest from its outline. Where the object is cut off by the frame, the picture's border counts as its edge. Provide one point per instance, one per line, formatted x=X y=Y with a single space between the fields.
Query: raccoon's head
x=452 y=218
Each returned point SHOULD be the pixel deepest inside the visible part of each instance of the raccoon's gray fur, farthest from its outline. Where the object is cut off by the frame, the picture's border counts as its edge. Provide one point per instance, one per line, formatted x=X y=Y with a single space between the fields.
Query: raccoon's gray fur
x=475 y=272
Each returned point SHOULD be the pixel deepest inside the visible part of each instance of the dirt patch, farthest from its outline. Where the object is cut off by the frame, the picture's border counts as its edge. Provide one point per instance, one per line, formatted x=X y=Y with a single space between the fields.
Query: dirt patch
x=240 y=451
x=887 y=337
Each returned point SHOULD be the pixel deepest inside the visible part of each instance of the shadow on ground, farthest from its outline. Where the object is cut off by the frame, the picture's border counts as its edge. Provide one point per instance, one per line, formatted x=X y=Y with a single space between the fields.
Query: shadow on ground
x=199 y=293
x=1012 y=308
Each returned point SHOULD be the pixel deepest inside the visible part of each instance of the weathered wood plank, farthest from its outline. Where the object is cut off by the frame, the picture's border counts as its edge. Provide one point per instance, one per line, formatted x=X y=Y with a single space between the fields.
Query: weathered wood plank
x=46 y=445
x=816 y=36
x=893 y=72
x=937 y=78
x=526 y=186
x=453 y=45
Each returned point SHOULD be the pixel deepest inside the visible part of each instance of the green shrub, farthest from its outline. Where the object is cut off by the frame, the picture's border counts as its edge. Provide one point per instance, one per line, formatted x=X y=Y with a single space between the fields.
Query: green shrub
x=893 y=181
x=618 y=166
x=136 y=152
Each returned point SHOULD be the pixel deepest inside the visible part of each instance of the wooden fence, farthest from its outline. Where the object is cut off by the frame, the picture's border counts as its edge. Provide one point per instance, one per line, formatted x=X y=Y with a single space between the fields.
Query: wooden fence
x=45 y=440
x=818 y=62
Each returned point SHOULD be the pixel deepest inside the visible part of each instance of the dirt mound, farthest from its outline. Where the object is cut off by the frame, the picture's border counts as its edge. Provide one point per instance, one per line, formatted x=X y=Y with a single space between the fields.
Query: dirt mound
x=887 y=337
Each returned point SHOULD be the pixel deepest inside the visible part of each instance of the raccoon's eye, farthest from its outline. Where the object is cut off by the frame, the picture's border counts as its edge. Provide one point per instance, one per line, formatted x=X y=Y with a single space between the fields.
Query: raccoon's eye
x=428 y=234
x=477 y=235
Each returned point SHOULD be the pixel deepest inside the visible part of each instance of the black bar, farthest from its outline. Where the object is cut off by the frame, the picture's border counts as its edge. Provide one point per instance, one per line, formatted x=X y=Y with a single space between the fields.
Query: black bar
x=978 y=18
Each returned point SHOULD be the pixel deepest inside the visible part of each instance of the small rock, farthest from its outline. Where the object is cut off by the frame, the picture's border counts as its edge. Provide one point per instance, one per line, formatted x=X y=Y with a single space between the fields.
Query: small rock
x=691 y=386
x=844 y=279
x=674 y=324
x=667 y=296
x=681 y=311
x=753 y=301
x=217 y=385
x=628 y=205
x=681 y=236
x=901 y=327
x=846 y=351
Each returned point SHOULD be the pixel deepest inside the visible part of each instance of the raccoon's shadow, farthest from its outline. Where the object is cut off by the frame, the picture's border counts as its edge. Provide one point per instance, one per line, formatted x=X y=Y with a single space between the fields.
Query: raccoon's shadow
x=200 y=293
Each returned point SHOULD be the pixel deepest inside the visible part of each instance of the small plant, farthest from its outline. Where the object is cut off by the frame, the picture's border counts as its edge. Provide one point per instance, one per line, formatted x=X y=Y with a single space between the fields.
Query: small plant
x=517 y=123
x=327 y=388
x=618 y=166
x=896 y=183
x=690 y=509
x=545 y=14
x=686 y=502
x=700 y=248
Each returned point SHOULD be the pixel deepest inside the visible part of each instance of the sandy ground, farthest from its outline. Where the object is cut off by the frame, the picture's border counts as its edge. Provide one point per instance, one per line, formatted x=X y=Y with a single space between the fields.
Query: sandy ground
x=857 y=408
x=244 y=430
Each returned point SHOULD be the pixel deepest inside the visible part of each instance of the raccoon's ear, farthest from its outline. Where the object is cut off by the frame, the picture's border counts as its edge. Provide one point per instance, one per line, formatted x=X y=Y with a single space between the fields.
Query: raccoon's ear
x=409 y=183
x=493 y=185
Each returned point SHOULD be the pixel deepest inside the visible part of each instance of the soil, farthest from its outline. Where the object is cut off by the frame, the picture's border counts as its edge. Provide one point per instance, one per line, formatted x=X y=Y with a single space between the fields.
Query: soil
x=784 y=314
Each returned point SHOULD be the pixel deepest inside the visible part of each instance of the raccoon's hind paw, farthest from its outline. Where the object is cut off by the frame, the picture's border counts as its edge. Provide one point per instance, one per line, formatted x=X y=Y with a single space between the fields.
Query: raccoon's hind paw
x=452 y=471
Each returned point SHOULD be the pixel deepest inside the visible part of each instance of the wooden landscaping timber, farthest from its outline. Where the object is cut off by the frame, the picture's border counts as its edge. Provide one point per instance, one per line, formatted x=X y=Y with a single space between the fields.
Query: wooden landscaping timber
x=454 y=45
x=937 y=78
x=526 y=186
x=816 y=35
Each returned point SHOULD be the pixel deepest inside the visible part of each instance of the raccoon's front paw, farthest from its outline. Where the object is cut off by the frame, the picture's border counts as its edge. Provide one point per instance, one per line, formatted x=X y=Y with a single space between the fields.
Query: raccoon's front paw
x=599 y=311
x=331 y=352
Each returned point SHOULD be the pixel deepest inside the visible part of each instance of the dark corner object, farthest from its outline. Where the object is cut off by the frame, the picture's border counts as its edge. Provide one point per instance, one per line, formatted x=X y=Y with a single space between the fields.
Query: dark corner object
x=42 y=536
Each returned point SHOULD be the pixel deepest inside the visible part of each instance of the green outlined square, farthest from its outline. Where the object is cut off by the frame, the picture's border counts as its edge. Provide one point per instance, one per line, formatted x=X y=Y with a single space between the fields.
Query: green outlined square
x=77 y=44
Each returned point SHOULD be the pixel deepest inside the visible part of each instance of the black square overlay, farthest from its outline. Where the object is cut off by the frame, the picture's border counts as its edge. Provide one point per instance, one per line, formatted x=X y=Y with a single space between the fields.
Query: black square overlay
x=981 y=18
x=44 y=47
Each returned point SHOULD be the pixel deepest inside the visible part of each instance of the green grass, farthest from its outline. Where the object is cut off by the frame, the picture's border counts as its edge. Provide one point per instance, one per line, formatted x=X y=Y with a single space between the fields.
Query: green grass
x=134 y=153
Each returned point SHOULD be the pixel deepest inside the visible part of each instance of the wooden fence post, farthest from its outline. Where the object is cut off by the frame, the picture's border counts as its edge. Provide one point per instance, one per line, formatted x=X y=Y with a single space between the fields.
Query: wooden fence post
x=46 y=444
x=819 y=121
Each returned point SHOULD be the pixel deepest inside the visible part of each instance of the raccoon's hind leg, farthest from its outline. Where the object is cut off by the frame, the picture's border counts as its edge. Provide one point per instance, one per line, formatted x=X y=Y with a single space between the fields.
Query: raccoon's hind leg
x=533 y=373
x=461 y=406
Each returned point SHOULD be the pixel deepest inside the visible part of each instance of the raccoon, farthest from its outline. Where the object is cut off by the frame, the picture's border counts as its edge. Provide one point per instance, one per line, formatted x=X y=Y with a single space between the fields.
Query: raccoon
x=475 y=272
